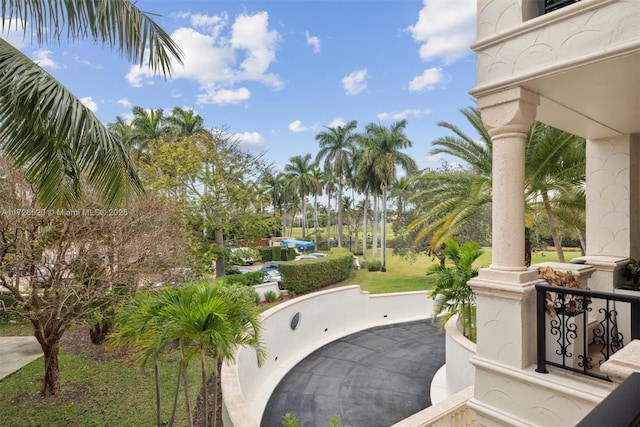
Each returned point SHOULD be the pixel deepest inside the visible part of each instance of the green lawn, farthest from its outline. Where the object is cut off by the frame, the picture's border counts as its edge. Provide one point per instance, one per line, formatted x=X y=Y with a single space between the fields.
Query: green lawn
x=99 y=388
x=404 y=275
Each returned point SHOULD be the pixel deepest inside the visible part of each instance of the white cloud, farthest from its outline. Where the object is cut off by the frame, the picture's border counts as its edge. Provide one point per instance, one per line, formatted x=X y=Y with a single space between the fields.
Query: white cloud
x=176 y=93
x=314 y=42
x=219 y=57
x=354 y=83
x=89 y=103
x=296 y=126
x=250 y=141
x=224 y=96
x=401 y=115
x=43 y=58
x=427 y=81
x=13 y=33
x=338 y=121
x=125 y=103
x=445 y=29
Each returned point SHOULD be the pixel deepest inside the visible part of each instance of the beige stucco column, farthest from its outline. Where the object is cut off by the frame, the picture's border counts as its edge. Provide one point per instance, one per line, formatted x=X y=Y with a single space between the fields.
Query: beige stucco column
x=508 y=115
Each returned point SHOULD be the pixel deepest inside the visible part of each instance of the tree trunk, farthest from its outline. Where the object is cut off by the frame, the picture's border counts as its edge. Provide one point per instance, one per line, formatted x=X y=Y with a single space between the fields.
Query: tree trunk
x=329 y=220
x=51 y=383
x=187 y=401
x=374 y=231
x=552 y=226
x=175 y=396
x=205 y=393
x=216 y=373
x=304 y=216
x=339 y=205
x=98 y=333
x=156 y=371
x=383 y=255
x=315 y=221
x=219 y=239
x=364 y=225
x=583 y=242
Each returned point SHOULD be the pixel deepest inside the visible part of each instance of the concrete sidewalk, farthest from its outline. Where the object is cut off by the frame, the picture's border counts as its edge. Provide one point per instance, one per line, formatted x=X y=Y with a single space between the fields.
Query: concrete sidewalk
x=16 y=352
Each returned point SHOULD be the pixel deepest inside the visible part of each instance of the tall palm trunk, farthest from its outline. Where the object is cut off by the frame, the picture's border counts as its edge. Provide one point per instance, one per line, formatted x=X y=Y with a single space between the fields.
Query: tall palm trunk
x=339 y=205
x=315 y=220
x=383 y=255
x=374 y=231
x=156 y=372
x=187 y=400
x=304 y=216
x=203 y=371
x=552 y=226
x=329 y=219
x=175 y=397
x=364 y=224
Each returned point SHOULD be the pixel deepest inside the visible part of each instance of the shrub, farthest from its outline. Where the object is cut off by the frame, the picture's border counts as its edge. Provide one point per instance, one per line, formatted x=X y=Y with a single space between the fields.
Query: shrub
x=7 y=301
x=248 y=279
x=374 y=265
x=270 y=296
x=239 y=292
x=266 y=253
x=309 y=275
x=276 y=253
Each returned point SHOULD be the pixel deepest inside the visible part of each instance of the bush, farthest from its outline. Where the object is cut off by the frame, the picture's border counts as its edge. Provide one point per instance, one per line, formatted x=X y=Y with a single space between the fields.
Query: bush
x=266 y=253
x=248 y=279
x=276 y=253
x=270 y=296
x=373 y=265
x=309 y=275
x=239 y=292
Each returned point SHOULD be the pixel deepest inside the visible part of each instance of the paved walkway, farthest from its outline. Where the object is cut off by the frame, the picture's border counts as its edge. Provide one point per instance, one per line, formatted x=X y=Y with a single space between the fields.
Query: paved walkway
x=16 y=352
x=372 y=378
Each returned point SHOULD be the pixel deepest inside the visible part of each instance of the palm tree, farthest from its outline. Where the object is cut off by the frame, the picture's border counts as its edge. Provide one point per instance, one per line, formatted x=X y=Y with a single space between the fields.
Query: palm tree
x=451 y=200
x=43 y=126
x=301 y=181
x=183 y=122
x=336 y=146
x=138 y=327
x=382 y=152
x=452 y=293
x=148 y=126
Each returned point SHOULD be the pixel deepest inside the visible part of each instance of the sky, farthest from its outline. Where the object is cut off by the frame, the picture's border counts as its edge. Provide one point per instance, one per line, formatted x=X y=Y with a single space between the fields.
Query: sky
x=275 y=73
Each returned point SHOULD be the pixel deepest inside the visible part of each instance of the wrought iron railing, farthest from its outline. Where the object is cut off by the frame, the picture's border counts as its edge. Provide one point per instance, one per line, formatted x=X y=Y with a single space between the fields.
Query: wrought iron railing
x=546 y=6
x=578 y=329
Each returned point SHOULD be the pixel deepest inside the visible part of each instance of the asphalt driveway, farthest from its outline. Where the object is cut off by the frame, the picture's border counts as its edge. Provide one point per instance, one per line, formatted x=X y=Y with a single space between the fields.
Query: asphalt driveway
x=372 y=378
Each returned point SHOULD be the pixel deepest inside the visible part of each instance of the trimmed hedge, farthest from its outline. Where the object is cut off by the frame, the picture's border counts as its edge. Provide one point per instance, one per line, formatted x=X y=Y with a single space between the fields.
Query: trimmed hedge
x=266 y=253
x=247 y=279
x=309 y=275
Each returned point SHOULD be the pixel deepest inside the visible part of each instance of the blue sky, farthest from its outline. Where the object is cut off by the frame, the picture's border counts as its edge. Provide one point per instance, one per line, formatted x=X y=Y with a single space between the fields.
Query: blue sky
x=274 y=73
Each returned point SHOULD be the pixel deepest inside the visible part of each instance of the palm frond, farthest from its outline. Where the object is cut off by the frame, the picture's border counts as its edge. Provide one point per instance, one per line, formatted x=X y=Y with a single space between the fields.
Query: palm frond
x=46 y=129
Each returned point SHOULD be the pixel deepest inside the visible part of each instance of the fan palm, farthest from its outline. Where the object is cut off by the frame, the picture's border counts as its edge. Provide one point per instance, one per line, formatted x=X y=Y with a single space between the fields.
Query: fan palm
x=43 y=126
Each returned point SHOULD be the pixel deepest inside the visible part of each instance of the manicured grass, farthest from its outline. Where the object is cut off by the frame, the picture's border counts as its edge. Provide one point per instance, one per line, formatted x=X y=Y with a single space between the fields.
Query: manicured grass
x=99 y=388
x=405 y=275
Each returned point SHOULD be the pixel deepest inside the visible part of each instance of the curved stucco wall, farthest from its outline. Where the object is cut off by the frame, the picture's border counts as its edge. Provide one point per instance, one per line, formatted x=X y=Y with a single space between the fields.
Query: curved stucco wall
x=324 y=317
x=459 y=351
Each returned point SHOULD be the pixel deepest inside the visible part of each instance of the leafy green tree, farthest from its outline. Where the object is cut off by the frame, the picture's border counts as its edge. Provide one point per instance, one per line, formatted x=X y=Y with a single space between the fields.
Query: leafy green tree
x=43 y=126
x=215 y=182
x=336 y=147
x=452 y=293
